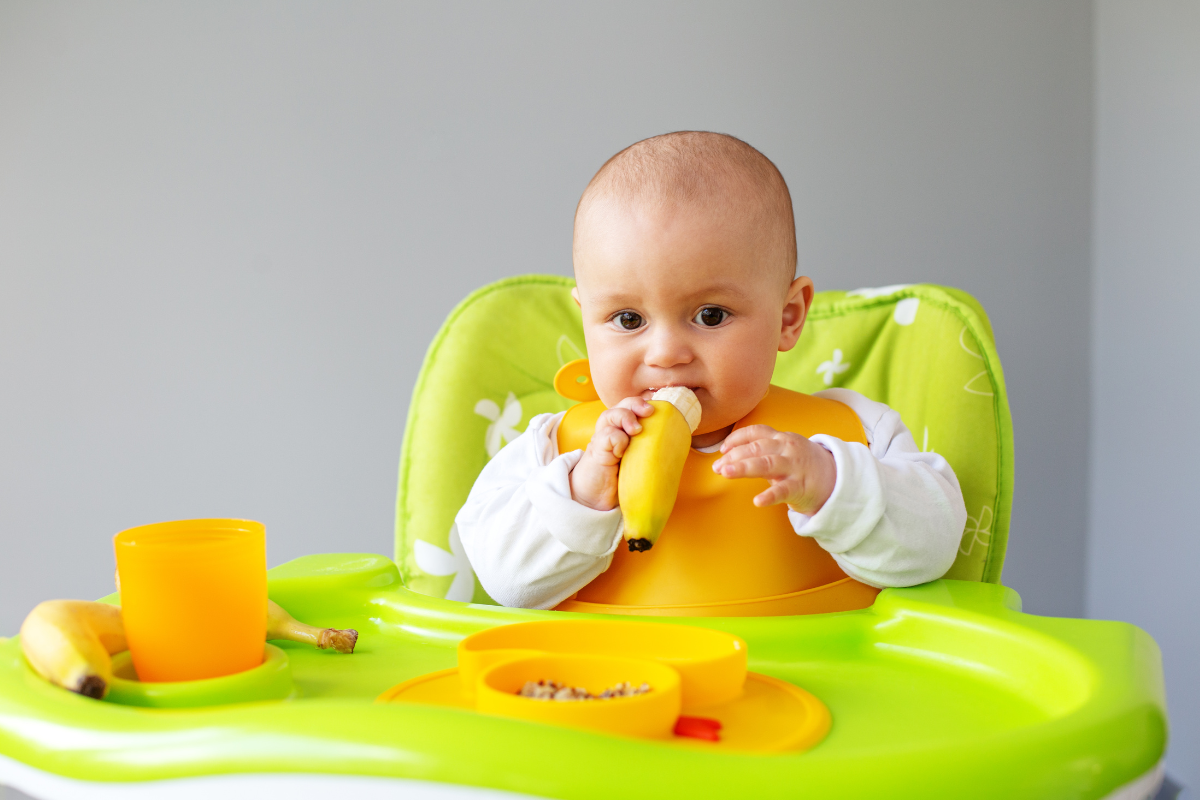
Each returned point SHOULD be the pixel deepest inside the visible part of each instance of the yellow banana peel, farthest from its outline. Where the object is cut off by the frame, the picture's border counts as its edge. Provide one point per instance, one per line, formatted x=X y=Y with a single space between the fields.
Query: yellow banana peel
x=71 y=642
x=281 y=625
x=652 y=465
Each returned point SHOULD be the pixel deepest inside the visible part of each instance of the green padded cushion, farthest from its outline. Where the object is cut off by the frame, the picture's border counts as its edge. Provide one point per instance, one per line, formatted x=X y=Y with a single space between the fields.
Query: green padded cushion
x=927 y=351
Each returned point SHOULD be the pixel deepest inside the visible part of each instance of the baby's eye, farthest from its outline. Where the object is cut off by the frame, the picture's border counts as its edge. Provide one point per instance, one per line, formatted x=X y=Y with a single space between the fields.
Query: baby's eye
x=629 y=320
x=711 y=316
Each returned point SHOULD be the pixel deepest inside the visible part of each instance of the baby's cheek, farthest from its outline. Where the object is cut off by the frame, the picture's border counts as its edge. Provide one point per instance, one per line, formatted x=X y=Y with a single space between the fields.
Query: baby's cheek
x=613 y=374
x=746 y=378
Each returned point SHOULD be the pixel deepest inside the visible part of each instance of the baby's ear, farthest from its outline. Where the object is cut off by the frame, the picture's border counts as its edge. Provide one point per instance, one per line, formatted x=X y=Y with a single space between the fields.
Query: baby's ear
x=795 y=311
x=575 y=296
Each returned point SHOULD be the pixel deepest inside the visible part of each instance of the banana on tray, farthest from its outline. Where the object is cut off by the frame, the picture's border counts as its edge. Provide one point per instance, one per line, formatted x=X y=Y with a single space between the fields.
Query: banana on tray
x=280 y=625
x=71 y=642
x=652 y=466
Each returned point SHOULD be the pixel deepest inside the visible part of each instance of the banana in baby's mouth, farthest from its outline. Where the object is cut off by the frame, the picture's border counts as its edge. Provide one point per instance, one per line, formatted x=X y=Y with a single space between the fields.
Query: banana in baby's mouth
x=648 y=480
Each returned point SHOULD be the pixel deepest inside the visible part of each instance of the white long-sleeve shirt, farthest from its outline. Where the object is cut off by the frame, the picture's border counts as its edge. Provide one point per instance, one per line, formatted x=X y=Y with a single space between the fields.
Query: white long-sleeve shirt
x=894 y=518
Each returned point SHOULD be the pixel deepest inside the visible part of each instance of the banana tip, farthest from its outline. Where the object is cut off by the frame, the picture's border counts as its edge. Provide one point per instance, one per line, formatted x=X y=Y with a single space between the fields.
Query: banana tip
x=640 y=545
x=92 y=686
x=342 y=641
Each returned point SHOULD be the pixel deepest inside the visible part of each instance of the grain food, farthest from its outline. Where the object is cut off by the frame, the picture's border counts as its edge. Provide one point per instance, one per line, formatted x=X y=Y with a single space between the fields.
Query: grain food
x=553 y=690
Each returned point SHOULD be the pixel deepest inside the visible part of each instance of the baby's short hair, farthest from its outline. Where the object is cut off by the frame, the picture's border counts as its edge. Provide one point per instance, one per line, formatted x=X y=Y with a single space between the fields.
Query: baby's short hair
x=713 y=170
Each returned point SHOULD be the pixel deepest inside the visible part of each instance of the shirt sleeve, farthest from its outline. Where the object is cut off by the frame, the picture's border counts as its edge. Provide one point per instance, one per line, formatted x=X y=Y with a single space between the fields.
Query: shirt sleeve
x=529 y=542
x=896 y=514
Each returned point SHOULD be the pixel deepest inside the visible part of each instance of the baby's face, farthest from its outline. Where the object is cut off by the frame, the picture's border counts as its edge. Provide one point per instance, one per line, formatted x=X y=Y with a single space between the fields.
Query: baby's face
x=683 y=299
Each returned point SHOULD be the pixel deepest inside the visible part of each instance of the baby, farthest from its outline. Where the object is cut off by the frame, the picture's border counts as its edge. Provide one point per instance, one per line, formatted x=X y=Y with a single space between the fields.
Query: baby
x=684 y=255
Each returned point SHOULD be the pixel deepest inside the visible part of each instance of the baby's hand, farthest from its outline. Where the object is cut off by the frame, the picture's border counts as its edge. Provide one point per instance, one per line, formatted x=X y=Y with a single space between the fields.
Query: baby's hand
x=594 y=478
x=802 y=474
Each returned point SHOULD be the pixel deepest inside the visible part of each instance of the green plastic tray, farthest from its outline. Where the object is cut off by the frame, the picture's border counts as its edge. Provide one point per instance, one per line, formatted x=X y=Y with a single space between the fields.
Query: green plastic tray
x=943 y=690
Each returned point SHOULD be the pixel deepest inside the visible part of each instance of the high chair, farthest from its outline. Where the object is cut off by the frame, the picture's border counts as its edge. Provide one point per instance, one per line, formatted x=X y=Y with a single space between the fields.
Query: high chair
x=940 y=690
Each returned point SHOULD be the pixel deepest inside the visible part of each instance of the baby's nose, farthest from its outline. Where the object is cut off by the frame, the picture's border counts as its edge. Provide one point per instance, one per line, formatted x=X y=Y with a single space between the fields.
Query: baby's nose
x=668 y=348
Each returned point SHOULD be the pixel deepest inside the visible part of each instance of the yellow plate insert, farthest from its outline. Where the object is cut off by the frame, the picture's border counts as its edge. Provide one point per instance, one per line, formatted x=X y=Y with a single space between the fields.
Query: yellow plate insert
x=693 y=671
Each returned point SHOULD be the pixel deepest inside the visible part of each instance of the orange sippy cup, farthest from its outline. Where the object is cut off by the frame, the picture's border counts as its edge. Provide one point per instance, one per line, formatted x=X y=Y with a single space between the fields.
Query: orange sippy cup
x=193 y=597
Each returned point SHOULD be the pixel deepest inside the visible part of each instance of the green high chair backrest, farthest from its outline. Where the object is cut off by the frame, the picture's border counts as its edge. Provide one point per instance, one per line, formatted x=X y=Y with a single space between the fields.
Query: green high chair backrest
x=927 y=351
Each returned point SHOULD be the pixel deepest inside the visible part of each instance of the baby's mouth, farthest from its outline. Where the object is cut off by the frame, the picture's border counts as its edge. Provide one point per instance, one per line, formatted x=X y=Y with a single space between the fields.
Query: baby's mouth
x=646 y=395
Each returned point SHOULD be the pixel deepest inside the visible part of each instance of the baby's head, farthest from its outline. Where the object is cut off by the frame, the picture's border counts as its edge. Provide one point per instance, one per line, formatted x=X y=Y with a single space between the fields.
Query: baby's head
x=685 y=252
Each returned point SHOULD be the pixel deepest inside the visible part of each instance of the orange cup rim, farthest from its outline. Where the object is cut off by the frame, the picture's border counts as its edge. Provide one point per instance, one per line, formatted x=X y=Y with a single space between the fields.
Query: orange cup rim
x=166 y=535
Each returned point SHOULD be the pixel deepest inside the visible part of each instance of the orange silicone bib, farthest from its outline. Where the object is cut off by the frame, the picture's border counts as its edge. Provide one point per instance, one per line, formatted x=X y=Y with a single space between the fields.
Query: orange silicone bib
x=720 y=555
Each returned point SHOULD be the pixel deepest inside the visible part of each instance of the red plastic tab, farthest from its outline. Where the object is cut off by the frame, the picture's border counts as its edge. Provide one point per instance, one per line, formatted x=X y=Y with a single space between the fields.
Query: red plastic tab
x=698 y=728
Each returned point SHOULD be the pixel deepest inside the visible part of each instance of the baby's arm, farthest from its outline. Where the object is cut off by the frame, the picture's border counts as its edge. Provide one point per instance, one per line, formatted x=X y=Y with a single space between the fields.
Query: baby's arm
x=893 y=515
x=531 y=542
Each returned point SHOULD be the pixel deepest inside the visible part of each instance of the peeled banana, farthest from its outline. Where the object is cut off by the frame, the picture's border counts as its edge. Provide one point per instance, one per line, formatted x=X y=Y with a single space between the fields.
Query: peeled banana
x=648 y=480
x=71 y=642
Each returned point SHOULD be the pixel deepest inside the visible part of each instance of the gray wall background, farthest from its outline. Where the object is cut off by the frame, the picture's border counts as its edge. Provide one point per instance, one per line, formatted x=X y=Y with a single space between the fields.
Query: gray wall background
x=229 y=230
x=1145 y=536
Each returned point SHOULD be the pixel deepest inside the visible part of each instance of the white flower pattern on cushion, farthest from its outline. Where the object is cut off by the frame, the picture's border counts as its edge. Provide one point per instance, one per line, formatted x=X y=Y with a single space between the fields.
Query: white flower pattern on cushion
x=906 y=311
x=501 y=431
x=979 y=529
x=567 y=350
x=985 y=383
x=433 y=560
x=833 y=367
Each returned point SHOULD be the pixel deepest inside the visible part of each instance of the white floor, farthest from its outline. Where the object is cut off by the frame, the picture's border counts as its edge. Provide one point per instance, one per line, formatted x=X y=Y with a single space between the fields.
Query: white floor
x=32 y=784
x=26 y=782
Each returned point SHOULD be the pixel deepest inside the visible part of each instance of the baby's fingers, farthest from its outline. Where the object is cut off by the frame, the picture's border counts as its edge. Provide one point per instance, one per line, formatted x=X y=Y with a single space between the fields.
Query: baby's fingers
x=759 y=449
x=619 y=441
x=608 y=445
x=751 y=467
x=777 y=492
x=746 y=435
x=637 y=405
x=623 y=419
